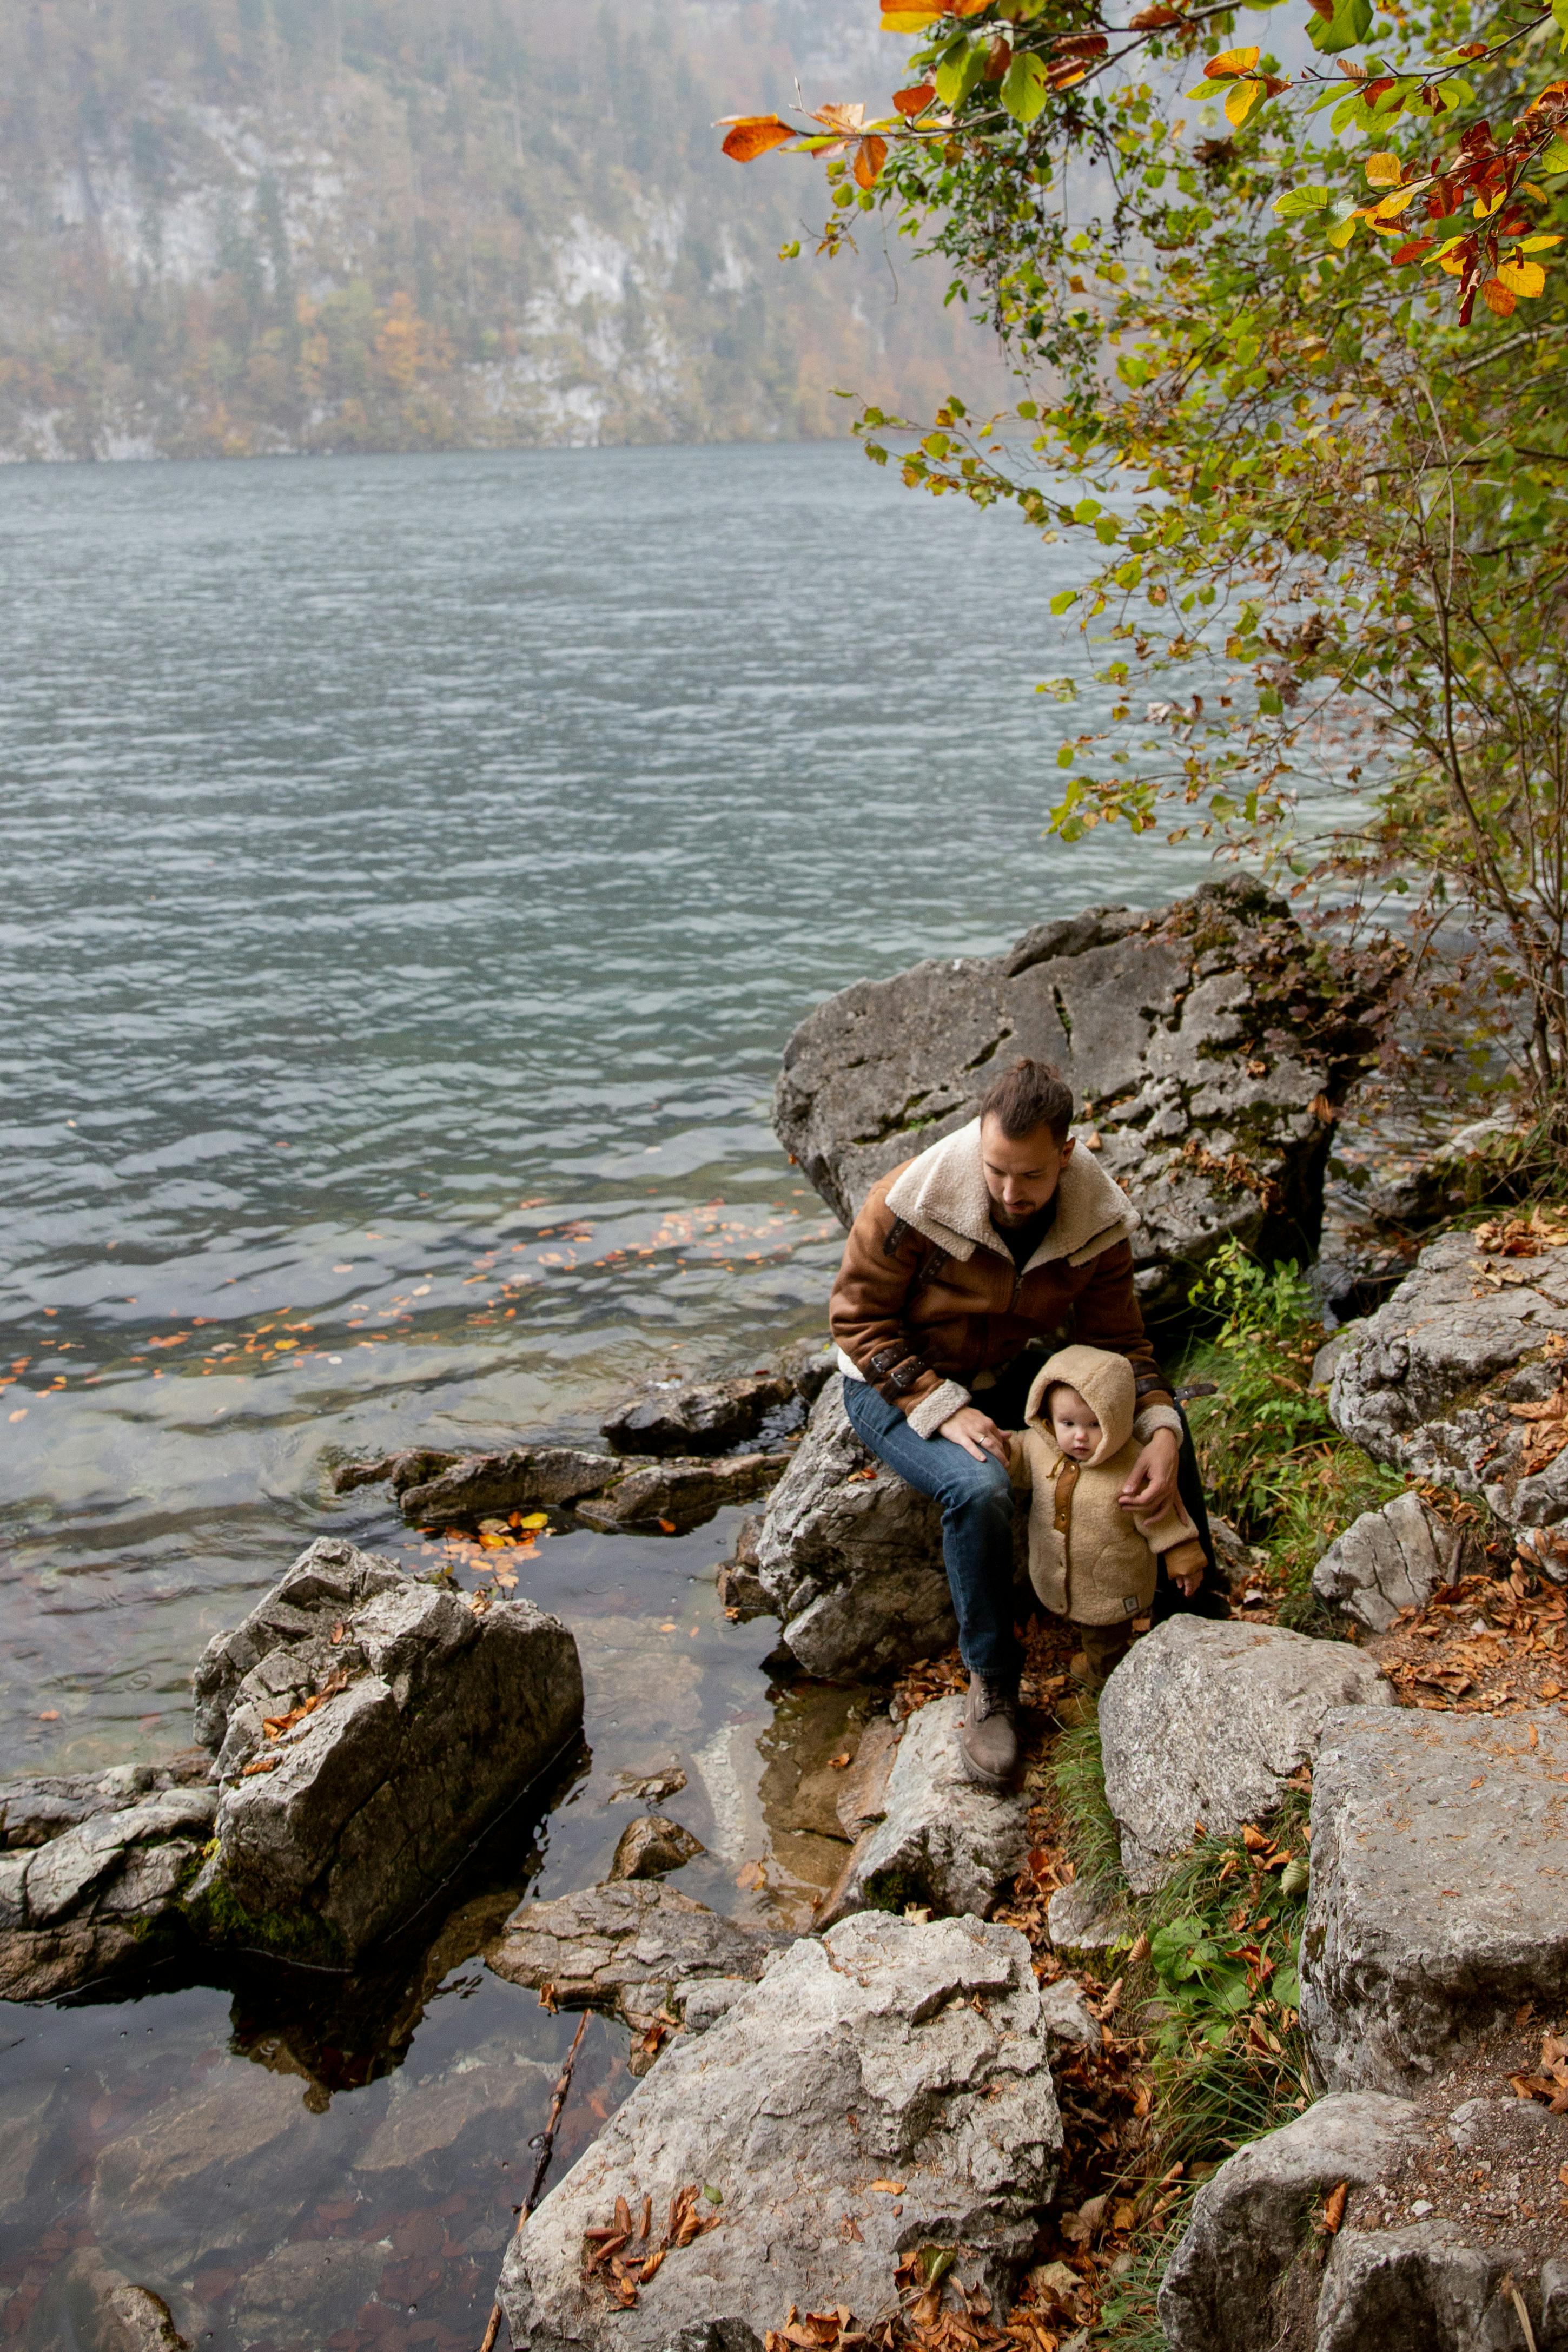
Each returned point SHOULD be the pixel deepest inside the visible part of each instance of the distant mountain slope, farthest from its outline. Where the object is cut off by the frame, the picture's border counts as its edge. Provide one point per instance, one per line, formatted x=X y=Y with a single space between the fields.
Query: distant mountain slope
x=236 y=226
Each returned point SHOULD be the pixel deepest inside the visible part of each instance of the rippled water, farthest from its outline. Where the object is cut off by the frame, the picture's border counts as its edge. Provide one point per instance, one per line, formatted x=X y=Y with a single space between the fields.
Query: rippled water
x=414 y=868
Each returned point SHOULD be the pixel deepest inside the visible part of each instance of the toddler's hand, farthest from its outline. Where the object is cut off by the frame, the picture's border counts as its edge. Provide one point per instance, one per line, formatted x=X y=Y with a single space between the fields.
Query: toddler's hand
x=1186 y=1581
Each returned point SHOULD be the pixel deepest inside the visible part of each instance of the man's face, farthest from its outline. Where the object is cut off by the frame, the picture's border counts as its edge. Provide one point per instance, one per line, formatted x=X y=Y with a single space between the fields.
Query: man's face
x=1021 y=1174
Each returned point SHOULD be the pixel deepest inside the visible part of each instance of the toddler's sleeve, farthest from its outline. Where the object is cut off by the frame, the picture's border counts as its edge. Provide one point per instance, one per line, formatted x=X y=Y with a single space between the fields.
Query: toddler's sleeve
x=1018 y=1467
x=1172 y=1537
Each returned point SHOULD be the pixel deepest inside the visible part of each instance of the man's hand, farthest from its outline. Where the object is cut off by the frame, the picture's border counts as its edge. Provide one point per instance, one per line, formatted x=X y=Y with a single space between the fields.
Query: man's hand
x=1152 y=1483
x=977 y=1434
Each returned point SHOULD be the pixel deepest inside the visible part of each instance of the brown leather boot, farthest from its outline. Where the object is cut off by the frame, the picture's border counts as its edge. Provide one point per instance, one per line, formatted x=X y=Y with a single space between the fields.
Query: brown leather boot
x=990 y=1739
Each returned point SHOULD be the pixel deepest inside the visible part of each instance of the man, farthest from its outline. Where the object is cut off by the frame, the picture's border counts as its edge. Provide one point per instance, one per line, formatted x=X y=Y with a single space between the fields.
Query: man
x=997 y=1237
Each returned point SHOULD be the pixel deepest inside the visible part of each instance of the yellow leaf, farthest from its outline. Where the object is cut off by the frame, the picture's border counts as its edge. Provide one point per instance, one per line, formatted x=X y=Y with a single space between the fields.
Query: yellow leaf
x=1537 y=243
x=1486 y=205
x=1230 y=63
x=1384 y=170
x=535 y=1520
x=1522 y=276
x=1340 y=236
x=908 y=20
x=1239 y=100
x=1392 y=206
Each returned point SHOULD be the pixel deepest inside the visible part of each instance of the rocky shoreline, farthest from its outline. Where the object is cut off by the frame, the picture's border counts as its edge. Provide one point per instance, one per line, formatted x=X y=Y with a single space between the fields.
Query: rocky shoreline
x=873 y=2120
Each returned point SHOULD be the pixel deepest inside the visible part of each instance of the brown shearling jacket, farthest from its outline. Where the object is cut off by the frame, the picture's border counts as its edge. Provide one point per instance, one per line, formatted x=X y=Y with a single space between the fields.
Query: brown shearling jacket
x=928 y=1301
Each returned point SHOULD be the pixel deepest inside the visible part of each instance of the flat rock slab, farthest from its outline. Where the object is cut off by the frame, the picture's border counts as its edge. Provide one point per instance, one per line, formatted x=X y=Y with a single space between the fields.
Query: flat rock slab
x=1208 y=1046
x=1389 y=1561
x=1440 y=1887
x=1207 y=1723
x=698 y=1416
x=369 y=1727
x=651 y=1846
x=681 y=1495
x=625 y=1946
x=884 y=2087
x=526 y=1478
x=850 y=1558
x=1431 y=1382
x=943 y=1843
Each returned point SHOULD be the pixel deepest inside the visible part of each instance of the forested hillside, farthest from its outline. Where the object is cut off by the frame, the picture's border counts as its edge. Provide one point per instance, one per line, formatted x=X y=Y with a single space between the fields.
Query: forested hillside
x=233 y=227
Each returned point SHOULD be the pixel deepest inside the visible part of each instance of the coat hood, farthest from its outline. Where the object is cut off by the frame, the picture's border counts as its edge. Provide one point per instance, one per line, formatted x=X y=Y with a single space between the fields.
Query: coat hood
x=942 y=1193
x=1107 y=1384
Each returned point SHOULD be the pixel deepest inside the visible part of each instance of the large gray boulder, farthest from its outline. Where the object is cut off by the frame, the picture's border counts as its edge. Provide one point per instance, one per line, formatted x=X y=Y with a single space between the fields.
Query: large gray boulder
x=1210 y=1039
x=1247 y=2274
x=626 y=1947
x=1205 y=1722
x=1458 y=1378
x=368 y=1728
x=93 y=1868
x=850 y=1558
x=886 y=2086
x=1389 y=1561
x=943 y=1843
x=1436 y=1901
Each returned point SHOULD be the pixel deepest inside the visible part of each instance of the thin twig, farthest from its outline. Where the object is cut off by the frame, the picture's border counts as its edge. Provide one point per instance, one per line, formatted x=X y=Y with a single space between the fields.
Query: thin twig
x=558 y=2102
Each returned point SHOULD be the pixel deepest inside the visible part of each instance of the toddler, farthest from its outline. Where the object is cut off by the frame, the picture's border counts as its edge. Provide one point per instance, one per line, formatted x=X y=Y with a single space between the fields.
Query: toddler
x=1090 y=1561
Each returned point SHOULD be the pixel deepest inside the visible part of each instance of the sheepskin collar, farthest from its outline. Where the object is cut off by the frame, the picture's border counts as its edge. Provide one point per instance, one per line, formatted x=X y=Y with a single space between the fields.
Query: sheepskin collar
x=943 y=1195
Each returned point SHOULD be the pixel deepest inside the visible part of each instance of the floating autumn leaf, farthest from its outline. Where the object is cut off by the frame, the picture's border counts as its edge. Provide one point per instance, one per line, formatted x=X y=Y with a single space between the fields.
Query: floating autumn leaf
x=754 y=135
x=915 y=99
x=870 y=157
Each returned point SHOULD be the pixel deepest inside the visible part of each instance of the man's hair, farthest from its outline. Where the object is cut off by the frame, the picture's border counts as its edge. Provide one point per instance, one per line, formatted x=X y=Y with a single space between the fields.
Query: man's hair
x=1029 y=1095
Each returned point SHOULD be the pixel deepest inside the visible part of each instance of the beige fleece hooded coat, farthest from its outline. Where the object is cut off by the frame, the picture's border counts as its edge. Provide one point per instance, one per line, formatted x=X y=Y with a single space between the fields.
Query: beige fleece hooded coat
x=1090 y=1561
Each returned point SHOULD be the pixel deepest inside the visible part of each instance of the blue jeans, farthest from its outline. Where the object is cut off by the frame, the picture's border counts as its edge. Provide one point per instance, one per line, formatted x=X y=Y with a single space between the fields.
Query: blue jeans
x=976 y=1499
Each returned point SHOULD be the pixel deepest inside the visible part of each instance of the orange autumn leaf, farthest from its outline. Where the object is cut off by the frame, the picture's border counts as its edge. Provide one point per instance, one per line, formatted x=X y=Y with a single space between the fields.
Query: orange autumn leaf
x=915 y=99
x=754 y=135
x=1497 y=298
x=870 y=157
x=1230 y=63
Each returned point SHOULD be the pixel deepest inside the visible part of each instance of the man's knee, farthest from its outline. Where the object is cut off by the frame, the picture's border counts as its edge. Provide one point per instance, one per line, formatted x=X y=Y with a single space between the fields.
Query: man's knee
x=971 y=1486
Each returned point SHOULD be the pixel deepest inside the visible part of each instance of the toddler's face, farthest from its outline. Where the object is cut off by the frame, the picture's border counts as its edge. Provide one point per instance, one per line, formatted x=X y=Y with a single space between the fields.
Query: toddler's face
x=1077 y=1431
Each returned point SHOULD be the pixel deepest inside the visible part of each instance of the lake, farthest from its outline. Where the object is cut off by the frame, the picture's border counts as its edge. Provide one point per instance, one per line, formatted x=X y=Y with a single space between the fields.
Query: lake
x=417 y=866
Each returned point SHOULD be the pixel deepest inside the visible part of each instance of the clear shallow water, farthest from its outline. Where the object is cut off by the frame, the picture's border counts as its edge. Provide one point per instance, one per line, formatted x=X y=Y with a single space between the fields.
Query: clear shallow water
x=415 y=870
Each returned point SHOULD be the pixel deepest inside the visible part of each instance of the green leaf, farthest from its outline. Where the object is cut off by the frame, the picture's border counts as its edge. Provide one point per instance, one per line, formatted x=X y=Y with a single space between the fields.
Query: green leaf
x=1065 y=756
x=1024 y=87
x=1555 y=157
x=1063 y=599
x=1560 y=11
x=1346 y=29
x=1287 y=1989
x=958 y=72
x=1297 y=201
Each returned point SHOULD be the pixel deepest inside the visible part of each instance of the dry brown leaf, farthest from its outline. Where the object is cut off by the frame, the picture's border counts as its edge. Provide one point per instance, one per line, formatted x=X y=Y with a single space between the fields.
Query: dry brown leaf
x=1333 y=2208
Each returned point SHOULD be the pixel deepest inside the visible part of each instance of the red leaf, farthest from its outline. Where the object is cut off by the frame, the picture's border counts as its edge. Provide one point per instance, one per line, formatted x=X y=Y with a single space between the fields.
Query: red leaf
x=870 y=157
x=916 y=100
x=1413 y=251
x=754 y=136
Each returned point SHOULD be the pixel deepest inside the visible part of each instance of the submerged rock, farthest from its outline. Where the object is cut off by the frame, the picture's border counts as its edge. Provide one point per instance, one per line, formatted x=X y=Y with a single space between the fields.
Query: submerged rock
x=1207 y=1723
x=1436 y=1902
x=681 y=1494
x=885 y=2087
x=91 y=2306
x=527 y=1478
x=369 y=1727
x=697 y=1417
x=650 y=1846
x=1389 y=1561
x=1211 y=1038
x=850 y=1558
x=943 y=1843
x=1460 y=1377
x=625 y=1948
